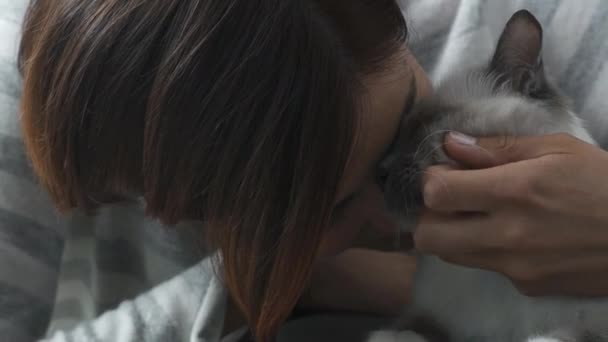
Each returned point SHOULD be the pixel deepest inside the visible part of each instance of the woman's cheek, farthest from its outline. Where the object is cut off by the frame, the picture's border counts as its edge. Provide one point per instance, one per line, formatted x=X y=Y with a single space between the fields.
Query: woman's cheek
x=365 y=222
x=342 y=233
x=378 y=216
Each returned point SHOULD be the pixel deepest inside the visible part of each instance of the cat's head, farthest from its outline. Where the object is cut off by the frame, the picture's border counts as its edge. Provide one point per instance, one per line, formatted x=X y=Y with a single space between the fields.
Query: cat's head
x=510 y=95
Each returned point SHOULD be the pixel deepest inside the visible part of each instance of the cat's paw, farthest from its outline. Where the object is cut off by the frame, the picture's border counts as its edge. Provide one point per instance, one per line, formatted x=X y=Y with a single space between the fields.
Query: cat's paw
x=394 y=336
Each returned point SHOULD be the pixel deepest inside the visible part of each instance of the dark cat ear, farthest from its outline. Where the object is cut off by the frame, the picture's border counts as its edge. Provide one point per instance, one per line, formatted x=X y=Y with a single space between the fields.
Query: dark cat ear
x=517 y=58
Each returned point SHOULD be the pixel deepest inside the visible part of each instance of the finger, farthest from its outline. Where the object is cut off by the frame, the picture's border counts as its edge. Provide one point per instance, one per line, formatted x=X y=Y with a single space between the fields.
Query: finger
x=486 y=152
x=467 y=190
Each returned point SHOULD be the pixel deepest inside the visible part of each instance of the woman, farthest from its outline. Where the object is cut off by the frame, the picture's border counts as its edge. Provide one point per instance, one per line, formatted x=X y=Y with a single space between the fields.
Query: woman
x=261 y=119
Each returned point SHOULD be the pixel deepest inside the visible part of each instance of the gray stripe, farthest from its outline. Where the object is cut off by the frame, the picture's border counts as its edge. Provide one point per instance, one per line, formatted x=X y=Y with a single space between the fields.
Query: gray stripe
x=80 y=225
x=113 y=288
x=11 y=80
x=12 y=333
x=23 y=311
x=577 y=81
x=13 y=159
x=184 y=244
x=119 y=256
x=42 y=243
x=21 y=271
x=68 y=309
x=78 y=270
x=164 y=328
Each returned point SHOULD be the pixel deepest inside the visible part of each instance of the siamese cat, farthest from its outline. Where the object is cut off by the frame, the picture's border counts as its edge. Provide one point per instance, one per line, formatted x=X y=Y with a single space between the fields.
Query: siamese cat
x=511 y=95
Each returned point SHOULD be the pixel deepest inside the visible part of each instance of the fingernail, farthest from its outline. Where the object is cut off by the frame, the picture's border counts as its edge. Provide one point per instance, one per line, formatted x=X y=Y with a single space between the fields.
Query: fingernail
x=463 y=139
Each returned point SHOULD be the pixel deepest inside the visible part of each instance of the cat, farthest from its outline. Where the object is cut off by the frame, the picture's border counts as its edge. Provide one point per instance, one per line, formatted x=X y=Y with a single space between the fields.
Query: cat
x=510 y=95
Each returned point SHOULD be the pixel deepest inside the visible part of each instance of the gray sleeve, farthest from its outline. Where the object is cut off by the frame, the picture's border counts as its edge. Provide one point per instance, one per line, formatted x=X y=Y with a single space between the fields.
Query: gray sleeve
x=30 y=242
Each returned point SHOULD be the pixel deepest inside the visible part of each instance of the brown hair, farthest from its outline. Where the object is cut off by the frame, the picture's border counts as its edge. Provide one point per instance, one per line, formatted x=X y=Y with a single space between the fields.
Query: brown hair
x=238 y=113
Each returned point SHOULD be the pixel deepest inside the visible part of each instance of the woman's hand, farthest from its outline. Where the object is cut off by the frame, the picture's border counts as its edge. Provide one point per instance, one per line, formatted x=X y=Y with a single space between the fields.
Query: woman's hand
x=534 y=209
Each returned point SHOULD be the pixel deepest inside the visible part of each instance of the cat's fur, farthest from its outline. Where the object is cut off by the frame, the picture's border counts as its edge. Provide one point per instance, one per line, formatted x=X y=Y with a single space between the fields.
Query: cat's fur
x=509 y=96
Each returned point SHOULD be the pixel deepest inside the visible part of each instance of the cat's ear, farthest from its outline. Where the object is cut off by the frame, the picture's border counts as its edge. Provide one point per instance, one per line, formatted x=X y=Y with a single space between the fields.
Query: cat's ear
x=517 y=58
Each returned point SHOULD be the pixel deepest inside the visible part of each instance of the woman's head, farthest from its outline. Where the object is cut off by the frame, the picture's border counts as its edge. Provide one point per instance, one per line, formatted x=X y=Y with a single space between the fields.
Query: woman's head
x=257 y=117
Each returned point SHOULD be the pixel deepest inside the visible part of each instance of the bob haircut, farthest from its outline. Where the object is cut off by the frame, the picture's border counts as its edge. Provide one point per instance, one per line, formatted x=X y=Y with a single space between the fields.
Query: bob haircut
x=238 y=113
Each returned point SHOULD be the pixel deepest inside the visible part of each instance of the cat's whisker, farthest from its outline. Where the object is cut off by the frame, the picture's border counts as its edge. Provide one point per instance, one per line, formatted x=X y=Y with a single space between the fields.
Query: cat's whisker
x=412 y=177
x=428 y=155
x=430 y=135
x=424 y=140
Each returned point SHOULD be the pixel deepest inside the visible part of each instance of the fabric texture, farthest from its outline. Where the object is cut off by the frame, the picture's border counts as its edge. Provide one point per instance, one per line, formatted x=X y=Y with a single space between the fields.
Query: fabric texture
x=119 y=276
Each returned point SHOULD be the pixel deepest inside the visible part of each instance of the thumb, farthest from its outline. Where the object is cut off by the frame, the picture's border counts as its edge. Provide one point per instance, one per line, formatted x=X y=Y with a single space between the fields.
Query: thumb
x=487 y=152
